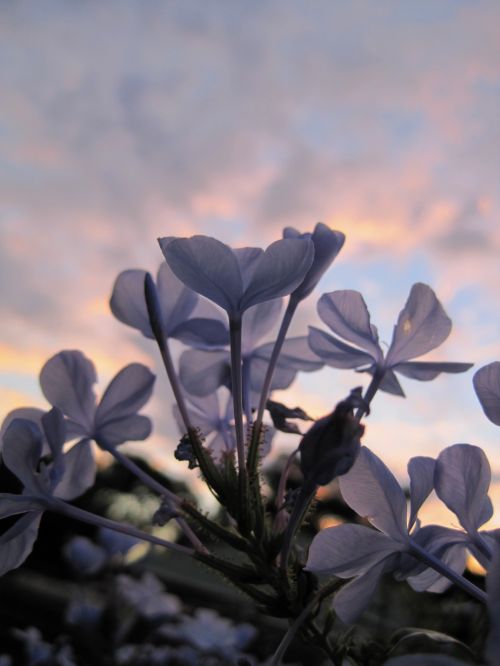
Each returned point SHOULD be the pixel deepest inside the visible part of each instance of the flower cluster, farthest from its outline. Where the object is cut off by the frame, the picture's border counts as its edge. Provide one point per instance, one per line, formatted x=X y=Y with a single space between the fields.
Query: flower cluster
x=226 y=307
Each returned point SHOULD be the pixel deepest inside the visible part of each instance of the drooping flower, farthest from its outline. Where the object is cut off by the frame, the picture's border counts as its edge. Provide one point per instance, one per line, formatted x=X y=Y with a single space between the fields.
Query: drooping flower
x=238 y=279
x=178 y=305
x=422 y=326
x=487 y=386
x=364 y=554
x=327 y=245
x=67 y=382
x=65 y=476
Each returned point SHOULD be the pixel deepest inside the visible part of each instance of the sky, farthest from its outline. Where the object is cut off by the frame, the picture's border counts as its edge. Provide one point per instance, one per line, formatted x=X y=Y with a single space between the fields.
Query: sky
x=124 y=121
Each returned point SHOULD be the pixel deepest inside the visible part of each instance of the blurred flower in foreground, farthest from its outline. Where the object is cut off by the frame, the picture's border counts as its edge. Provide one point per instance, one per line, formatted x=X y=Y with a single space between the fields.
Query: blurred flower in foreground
x=422 y=326
x=66 y=476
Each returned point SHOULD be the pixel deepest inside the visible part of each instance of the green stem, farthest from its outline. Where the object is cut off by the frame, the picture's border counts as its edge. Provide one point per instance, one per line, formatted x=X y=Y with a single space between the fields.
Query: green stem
x=373 y=387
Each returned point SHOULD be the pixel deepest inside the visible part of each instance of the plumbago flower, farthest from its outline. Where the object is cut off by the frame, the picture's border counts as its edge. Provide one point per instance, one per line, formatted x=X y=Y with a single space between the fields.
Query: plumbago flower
x=460 y=477
x=178 y=307
x=64 y=477
x=67 y=382
x=238 y=279
x=422 y=326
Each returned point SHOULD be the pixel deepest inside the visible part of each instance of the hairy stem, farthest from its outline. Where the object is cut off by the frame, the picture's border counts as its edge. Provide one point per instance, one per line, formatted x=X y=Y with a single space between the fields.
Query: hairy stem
x=156 y=486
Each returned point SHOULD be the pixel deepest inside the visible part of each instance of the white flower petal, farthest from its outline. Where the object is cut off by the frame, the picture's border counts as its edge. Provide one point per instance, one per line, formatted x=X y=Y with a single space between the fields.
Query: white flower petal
x=258 y=321
x=422 y=325
x=202 y=333
x=373 y=492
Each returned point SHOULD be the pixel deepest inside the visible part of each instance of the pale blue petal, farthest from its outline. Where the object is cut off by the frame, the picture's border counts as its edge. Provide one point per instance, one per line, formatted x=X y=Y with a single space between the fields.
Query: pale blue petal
x=202 y=333
x=177 y=302
x=278 y=271
x=421 y=472
x=22 y=449
x=422 y=326
x=282 y=376
x=66 y=380
x=352 y=599
x=128 y=303
x=127 y=392
x=427 y=370
x=373 y=492
x=258 y=321
x=327 y=244
x=208 y=267
x=247 y=258
x=202 y=372
x=17 y=542
x=12 y=505
x=336 y=353
x=54 y=428
x=79 y=471
x=349 y=550
x=124 y=429
x=461 y=480
x=487 y=386
x=295 y=354
x=446 y=544
x=389 y=382
x=346 y=314
x=203 y=411
x=29 y=414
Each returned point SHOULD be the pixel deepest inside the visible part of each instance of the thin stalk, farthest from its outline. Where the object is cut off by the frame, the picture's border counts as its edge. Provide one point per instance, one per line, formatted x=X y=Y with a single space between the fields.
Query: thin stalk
x=324 y=592
x=420 y=554
x=299 y=512
x=373 y=387
x=156 y=486
x=85 y=516
x=285 y=324
x=237 y=388
x=280 y=495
